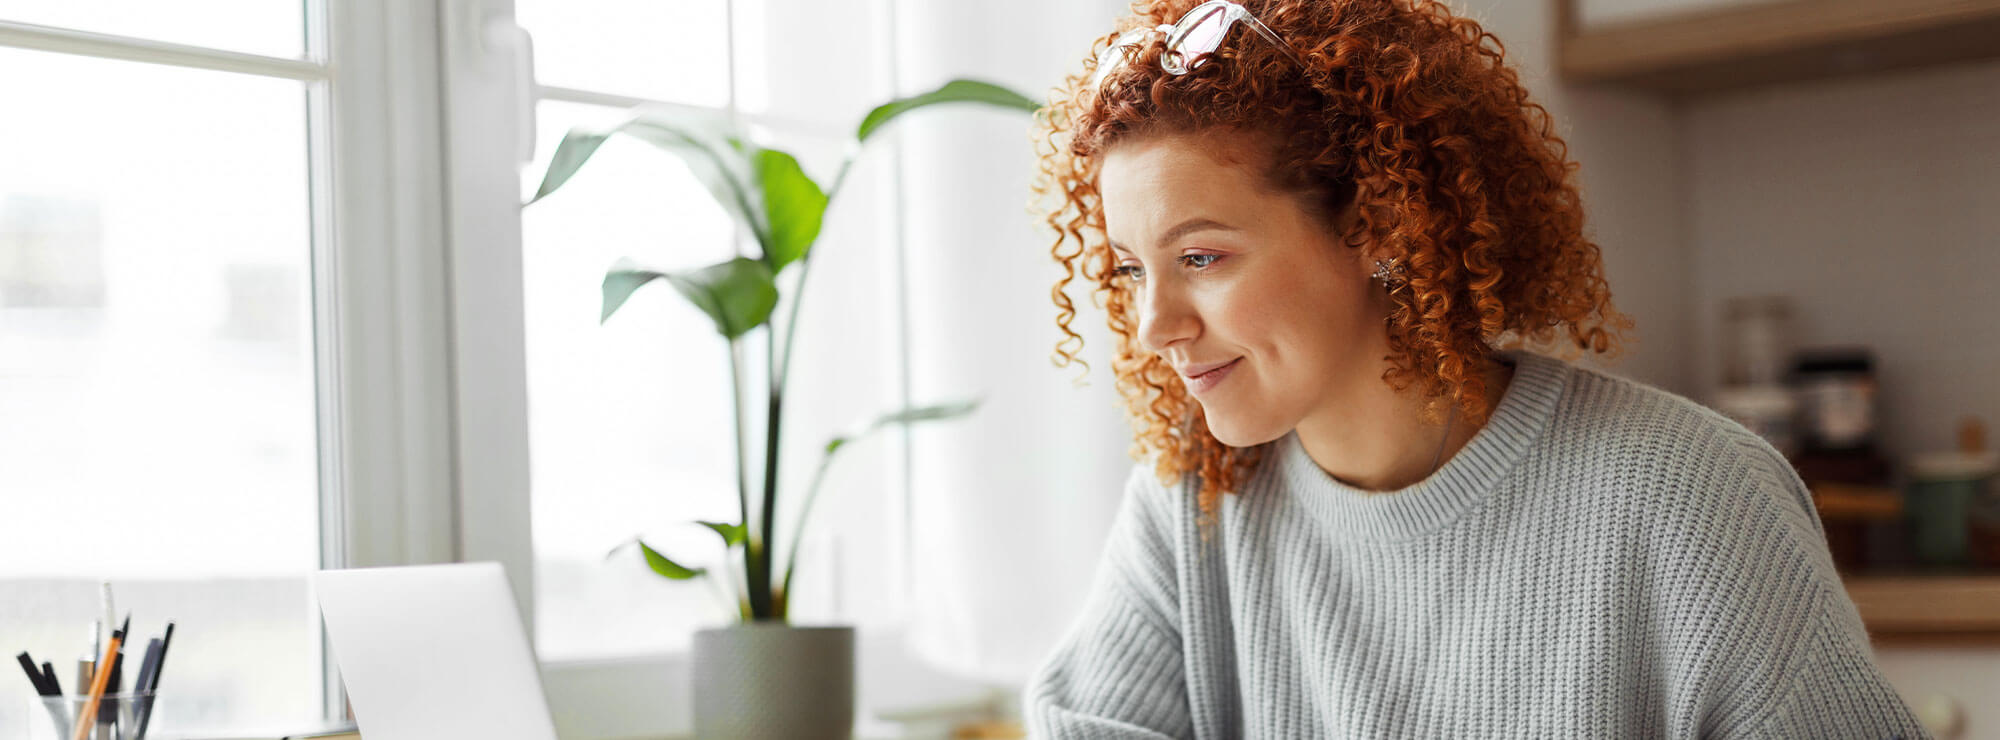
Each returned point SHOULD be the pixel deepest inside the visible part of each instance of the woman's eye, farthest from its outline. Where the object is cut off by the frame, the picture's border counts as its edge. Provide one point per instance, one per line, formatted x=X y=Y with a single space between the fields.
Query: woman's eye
x=1131 y=273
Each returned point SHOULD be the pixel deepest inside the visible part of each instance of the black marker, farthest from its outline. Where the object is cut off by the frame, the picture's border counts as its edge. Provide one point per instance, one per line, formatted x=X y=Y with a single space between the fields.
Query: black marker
x=35 y=676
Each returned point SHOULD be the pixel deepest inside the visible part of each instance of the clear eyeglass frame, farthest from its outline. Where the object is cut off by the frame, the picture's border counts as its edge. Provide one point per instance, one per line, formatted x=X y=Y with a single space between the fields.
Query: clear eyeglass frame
x=1189 y=41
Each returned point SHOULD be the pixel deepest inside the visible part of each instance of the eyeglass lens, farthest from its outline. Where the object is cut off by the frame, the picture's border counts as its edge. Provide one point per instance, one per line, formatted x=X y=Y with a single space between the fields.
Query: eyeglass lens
x=1193 y=42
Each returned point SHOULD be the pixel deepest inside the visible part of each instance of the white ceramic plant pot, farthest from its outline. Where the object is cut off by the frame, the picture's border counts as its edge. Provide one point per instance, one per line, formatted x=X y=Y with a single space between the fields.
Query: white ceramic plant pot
x=774 y=681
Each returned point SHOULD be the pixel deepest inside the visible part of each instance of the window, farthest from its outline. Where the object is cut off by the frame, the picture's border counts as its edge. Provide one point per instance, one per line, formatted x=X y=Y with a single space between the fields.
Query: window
x=157 y=350
x=224 y=354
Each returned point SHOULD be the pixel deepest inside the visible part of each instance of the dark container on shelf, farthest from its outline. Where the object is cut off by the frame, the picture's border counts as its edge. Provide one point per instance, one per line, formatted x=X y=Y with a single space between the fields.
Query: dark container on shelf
x=1836 y=390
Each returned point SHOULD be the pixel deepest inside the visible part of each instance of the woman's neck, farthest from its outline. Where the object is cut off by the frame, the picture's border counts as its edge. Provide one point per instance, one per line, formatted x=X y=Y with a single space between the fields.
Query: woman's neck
x=1376 y=439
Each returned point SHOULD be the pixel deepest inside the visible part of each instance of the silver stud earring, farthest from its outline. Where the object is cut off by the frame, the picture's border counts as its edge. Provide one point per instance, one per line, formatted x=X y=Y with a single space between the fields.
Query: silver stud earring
x=1391 y=272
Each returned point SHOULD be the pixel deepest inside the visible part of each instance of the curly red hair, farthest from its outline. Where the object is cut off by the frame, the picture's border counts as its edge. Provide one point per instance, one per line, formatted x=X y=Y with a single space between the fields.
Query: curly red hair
x=1404 y=112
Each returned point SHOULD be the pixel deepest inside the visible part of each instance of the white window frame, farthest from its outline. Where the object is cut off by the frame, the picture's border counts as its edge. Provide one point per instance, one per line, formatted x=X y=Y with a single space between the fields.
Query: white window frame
x=420 y=356
x=386 y=346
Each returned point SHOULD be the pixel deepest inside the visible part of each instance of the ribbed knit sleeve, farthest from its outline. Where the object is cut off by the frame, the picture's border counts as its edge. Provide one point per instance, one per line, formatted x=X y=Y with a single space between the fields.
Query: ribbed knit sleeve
x=1821 y=681
x=1835 y=691
x=1117 y=673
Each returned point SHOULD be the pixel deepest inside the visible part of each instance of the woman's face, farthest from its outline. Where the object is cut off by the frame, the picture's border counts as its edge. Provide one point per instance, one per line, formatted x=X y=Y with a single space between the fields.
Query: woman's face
x=1222 y=269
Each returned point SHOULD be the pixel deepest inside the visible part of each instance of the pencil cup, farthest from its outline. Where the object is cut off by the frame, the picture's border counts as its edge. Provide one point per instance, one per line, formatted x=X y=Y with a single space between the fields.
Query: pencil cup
x=119 y=716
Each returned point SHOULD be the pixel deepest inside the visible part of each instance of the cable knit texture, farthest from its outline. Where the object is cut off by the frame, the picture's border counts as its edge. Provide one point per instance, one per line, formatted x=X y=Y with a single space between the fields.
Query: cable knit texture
x=1603 y=559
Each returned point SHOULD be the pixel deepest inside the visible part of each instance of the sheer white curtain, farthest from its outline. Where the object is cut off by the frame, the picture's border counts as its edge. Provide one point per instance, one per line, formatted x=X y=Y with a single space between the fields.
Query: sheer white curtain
x=1009 y=507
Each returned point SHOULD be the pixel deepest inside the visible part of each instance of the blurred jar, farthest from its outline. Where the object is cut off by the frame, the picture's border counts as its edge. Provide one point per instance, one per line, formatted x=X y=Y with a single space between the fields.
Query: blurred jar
x=1757 y=331
x=1949 y=495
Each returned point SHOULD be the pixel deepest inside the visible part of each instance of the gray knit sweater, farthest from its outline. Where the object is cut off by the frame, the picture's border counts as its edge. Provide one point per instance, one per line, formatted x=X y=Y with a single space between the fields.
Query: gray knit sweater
x=1603 y=560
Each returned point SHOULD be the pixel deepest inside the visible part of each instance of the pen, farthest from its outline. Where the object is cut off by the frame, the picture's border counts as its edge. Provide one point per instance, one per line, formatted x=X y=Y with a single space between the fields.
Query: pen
x=35 y=676
x=102 y=680
x=149 y=681
x=166 y=641
x=107 y=712
x=44 y=679
x=140 y=688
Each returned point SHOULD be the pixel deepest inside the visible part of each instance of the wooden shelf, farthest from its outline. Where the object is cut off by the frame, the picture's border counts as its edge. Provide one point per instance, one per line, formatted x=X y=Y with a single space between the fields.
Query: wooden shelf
x=1921 y=609
x=1769 y=42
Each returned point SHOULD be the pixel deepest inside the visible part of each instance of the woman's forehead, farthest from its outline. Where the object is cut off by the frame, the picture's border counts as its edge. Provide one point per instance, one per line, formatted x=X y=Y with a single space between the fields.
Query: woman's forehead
x=1177 y=174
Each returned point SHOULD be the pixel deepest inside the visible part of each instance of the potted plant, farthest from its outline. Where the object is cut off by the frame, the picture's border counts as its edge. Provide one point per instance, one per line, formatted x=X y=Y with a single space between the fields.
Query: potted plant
x=761 y=677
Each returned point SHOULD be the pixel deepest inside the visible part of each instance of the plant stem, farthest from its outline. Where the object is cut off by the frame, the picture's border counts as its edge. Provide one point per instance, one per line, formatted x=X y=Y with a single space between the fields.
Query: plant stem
x=761 y=580
x=742 y=473
x=771 y=509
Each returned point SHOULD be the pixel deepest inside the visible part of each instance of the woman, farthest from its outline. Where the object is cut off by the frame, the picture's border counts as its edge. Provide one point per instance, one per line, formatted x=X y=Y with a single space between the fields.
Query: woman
x=1325 y=233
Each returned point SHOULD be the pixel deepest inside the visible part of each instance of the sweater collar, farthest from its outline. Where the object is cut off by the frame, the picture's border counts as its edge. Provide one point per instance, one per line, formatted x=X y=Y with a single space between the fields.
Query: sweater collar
x=1463 y=481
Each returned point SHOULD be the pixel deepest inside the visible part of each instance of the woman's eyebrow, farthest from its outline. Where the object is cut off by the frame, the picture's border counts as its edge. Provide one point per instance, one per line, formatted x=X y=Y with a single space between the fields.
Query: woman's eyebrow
x=1181 y=230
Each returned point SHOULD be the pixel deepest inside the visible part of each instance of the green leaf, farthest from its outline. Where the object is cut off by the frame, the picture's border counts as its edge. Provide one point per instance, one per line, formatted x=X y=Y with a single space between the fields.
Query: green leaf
x=732 y=534
x=575 y=149
x=793 y=206
x=706 y=141
x=619 y=283
x=738 y=294
x=928 y=413
x=666 y=567
x=955 y=91
x=935 y=412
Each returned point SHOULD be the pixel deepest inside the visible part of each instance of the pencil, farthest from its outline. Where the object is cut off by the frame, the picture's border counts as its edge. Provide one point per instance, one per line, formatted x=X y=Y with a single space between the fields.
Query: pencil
x=98 y=682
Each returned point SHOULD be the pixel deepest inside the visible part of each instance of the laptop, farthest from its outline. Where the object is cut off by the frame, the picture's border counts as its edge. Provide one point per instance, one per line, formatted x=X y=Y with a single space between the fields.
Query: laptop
x=433 y=652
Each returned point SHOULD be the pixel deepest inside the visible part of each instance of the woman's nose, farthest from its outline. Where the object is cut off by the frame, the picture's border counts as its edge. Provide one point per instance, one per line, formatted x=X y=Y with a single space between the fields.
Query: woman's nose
x=1165 y=318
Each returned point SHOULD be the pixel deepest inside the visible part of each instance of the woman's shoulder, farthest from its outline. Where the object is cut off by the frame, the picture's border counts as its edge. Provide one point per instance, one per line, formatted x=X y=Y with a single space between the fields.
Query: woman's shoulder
x=1633 y=422
x=1683 y=484
x=1667 y=451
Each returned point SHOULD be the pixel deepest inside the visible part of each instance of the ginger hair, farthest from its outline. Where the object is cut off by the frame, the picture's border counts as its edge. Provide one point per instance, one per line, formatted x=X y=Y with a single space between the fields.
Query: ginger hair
x=1404 y=111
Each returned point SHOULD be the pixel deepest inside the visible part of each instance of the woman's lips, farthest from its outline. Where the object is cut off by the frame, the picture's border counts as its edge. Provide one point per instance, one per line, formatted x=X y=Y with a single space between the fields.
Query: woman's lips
x=1208 y=380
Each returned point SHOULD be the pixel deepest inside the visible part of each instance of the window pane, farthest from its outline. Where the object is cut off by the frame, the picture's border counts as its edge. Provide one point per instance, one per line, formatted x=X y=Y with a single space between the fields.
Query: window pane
x=675 y=51
x=629 y=432
x=156 y=376
x=269 y=27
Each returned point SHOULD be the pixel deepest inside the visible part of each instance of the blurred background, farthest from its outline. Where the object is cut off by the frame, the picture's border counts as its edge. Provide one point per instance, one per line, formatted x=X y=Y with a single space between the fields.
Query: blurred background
x=269 y=302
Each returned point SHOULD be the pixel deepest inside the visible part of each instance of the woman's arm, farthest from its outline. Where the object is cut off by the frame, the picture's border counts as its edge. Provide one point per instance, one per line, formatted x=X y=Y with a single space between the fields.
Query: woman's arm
x=1117 y=672
x=1817 y=678
x=1834 y=689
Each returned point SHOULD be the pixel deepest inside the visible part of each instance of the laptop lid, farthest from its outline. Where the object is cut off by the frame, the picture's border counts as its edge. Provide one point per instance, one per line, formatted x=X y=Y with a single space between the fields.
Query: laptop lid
x=434 y=651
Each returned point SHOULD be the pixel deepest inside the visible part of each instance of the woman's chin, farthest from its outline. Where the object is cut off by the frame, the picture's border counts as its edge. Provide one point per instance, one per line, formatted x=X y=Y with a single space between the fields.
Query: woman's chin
x=1233 y=433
